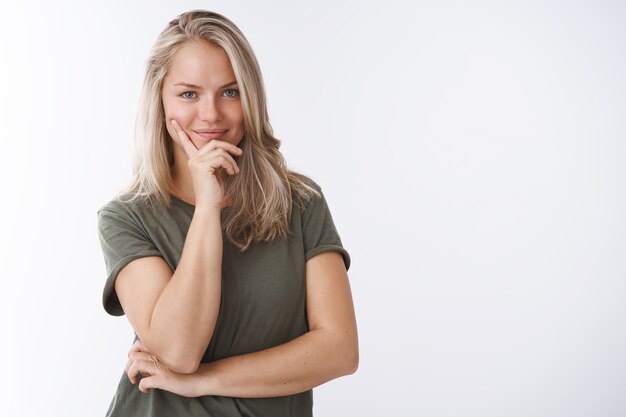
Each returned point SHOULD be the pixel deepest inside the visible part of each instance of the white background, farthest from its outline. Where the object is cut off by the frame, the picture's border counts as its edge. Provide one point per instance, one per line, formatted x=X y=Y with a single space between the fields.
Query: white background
x=472 y=154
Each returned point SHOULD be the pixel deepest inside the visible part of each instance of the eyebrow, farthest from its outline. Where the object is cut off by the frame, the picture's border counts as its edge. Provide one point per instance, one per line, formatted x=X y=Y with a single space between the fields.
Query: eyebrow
x=197 y=87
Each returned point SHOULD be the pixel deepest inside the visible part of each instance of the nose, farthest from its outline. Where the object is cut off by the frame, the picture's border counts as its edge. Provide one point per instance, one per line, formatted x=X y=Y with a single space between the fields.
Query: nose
x=209 y=110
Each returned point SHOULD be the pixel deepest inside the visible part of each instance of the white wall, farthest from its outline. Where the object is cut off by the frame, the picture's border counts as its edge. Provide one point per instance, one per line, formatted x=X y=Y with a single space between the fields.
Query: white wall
x=472 y=153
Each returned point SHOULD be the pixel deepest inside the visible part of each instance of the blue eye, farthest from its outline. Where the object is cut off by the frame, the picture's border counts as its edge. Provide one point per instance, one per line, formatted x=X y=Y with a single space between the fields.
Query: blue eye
x=235 y=91
x=187 y=92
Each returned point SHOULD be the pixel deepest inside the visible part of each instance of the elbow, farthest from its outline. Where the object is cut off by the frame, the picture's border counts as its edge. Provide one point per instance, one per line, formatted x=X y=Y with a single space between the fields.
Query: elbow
x=352 y=362
x=355 y=363
x=184 y=367
x=184 y=363
x=349 y=358
x=180 y=362
x=177 y=358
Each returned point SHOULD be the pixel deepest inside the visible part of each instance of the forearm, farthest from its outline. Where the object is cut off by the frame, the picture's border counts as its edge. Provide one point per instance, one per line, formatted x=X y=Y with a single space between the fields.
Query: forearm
x=184 y=317
x=296 y=366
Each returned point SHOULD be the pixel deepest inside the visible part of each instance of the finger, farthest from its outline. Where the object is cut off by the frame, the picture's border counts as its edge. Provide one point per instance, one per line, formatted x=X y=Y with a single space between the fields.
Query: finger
x=142 y=347
x=138 y=346
x=143 y=367
x=147 y=356
x=127 y=368
x=141 y=356
x=130 y=363
x=146 y=384
x=134 y=347
x=132 y=375
x=188 y=146
x=220 y=163
x=229 y=164
x=227 y=146
x=135 y=356
x=131 y=372
x=218 y=159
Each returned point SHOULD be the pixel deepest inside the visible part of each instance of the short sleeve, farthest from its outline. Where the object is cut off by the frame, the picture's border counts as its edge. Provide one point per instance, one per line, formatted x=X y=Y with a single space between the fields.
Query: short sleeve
x=319 y=232
x=122 y=241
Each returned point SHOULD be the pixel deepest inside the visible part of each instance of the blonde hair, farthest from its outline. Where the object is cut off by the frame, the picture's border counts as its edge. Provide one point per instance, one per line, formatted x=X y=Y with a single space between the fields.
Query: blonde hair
x=263 y=192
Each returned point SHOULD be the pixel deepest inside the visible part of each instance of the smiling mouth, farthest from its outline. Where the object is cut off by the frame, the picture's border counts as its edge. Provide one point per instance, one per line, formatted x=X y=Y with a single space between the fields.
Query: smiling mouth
x=215 y=134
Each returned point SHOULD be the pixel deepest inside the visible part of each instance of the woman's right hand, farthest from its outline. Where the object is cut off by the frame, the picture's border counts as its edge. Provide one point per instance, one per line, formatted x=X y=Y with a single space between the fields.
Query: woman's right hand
x=205 y=166
x=156 y=375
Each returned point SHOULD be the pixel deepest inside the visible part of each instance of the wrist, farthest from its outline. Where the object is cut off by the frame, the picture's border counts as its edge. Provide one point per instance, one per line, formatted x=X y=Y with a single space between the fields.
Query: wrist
x=206 y=379
x=207 y=207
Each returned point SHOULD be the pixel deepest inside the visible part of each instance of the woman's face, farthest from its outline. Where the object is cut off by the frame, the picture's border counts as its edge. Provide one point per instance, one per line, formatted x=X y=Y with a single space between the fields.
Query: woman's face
x=200 y=92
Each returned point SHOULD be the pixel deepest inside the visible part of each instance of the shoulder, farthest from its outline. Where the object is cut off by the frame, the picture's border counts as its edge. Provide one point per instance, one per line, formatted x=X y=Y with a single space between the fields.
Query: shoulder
x=113 y=206
x=131 y=202
x=120 y=204
x=304 y=189
x=124 y=207
x=114 y=217
x=310 y=181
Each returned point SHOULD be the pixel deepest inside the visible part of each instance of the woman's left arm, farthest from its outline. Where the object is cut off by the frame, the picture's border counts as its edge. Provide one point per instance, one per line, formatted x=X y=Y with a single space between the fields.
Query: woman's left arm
x=329 y=350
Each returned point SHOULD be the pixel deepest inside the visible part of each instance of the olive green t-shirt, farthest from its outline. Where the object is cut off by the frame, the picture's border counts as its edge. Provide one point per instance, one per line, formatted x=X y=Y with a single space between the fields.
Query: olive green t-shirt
x=262 y=302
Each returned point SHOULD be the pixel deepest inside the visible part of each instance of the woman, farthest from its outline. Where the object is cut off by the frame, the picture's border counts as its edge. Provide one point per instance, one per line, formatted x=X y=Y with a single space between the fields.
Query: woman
x=227 y=265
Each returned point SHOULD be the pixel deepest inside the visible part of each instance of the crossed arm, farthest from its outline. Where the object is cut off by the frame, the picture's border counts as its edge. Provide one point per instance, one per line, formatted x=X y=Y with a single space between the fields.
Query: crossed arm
x=329 y=350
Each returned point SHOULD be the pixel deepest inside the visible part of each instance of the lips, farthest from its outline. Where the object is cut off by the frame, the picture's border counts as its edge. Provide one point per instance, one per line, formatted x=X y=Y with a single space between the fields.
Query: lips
x=211 y=134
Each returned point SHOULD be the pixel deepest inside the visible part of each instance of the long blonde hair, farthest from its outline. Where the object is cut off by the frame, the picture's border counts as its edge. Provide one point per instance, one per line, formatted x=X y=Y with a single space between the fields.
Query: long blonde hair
x=263 y=192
